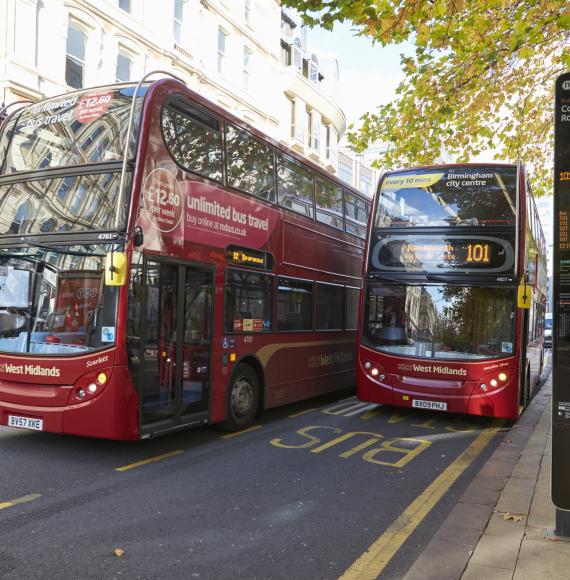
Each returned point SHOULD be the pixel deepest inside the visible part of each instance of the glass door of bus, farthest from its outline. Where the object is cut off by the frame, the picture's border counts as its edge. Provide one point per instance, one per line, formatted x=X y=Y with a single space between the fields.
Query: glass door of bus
x=176 y=343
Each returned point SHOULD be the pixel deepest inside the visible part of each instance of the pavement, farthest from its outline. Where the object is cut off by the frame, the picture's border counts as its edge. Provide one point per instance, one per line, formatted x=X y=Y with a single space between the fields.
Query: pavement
x=498 y=529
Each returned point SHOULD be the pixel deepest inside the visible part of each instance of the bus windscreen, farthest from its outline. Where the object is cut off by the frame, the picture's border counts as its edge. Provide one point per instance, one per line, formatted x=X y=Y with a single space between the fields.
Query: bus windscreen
x=448 y=196
x=440 y=321
x=81 y=128
x=55 y=302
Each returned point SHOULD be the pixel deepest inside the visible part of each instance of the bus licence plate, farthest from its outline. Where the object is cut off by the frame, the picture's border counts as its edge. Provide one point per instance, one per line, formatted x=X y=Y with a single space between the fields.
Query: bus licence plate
x=25 y=423
x=437 y=405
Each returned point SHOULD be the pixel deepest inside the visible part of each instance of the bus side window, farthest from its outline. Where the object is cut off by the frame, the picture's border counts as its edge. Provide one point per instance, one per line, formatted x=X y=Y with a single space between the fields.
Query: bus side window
x=294 y=305
x=294 y=186
x=193 y=138
x=249 y=301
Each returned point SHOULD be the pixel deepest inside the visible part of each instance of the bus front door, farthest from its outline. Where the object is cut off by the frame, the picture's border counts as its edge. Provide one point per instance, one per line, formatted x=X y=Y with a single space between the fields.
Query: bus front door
x=177 y=345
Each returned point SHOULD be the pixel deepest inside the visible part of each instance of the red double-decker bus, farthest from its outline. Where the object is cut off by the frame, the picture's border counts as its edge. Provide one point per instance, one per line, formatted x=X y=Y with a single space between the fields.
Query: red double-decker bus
x=454 y=297
x=163 y=265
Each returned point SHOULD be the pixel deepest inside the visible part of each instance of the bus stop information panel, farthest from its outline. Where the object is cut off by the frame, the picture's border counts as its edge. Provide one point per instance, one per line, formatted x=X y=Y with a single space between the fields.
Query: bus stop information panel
x=561 y=295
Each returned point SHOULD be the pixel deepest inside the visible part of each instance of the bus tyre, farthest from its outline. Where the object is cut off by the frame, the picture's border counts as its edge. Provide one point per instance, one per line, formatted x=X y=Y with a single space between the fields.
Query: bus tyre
x=243 y=398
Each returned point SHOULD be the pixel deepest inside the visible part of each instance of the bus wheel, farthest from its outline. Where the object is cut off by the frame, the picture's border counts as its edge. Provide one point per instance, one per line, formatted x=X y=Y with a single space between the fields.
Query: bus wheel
x=243 y=398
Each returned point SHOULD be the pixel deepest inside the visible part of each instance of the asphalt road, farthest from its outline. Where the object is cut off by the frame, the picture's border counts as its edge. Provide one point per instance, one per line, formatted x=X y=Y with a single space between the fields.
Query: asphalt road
x=303 y=494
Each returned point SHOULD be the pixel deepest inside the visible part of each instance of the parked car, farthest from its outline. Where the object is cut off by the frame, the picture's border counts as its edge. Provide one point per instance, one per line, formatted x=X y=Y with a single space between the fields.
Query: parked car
x=548 y=330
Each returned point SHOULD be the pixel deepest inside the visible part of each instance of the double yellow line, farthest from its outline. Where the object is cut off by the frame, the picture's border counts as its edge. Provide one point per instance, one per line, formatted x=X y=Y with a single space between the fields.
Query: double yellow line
x=371 y=564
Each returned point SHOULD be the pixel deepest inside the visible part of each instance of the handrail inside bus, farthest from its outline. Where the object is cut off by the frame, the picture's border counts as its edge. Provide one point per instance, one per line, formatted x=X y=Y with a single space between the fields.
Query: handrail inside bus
x=128 y=136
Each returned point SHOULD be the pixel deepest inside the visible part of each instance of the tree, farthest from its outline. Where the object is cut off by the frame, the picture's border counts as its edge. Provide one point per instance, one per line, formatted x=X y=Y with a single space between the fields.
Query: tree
x=481 y=77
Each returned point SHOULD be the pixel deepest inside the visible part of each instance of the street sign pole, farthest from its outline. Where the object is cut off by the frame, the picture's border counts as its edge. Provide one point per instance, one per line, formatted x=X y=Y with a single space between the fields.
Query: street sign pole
x=561 y=312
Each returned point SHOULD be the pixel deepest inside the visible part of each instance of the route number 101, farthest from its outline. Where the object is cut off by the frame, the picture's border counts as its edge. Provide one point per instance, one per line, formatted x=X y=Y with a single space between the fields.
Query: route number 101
x=478 y=253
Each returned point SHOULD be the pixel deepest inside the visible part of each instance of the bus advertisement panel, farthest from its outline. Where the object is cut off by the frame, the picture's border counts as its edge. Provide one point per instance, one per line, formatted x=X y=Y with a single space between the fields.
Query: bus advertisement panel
x=448 y=248
x=161 y=281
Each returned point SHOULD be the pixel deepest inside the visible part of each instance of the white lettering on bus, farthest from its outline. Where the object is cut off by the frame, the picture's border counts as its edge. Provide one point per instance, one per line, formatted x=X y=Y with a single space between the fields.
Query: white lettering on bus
x=30 y=370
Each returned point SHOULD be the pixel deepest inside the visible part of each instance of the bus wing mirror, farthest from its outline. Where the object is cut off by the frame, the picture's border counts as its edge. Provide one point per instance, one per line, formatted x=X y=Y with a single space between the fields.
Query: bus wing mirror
x=524 y=295
x=116 y=269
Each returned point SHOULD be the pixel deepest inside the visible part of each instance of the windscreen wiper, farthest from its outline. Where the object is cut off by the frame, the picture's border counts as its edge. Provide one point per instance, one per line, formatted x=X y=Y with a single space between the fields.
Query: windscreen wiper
x=378 y=276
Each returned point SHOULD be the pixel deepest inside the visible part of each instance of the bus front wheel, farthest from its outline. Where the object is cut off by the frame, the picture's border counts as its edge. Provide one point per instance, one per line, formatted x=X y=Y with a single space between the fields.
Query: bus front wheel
x=243 y=398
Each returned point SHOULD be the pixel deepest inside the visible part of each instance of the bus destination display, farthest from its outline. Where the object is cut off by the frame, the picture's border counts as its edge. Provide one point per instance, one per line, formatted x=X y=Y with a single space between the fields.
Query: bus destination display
x=442 y=253
x=238 y=256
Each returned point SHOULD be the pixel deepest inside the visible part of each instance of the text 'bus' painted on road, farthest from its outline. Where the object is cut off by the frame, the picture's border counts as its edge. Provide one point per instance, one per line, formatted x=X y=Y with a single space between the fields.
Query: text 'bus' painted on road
x=396 y=452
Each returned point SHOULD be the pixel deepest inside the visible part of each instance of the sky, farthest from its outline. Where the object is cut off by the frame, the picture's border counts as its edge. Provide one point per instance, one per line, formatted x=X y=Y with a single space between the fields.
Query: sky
x=369 y=74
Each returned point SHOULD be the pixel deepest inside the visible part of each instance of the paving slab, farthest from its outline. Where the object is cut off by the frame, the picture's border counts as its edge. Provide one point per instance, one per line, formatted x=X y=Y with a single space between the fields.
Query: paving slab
x=497 y=551
x=478 y=572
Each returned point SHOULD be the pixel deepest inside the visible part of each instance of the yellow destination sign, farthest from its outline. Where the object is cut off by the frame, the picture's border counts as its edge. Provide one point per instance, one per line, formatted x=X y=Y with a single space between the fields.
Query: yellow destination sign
x=394 y=182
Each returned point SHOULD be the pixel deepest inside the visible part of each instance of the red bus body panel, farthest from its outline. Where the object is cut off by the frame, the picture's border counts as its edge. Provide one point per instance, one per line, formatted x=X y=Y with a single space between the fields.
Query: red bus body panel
x=457 y=384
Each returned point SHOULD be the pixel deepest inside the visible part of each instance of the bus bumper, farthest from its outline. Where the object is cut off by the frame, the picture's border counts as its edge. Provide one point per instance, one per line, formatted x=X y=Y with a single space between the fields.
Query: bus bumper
x=500 y=403
x=112 y=414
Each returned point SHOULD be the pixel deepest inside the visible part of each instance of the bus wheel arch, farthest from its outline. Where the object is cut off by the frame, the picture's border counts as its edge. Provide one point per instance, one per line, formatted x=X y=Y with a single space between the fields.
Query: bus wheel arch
x=245 y=396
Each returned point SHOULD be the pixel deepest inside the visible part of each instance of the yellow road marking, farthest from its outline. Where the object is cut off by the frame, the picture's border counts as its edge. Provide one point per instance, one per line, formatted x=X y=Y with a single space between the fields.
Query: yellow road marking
x=230 y=435
x=371 y=413
x=150 y=460
x=24 y=499
x=377 y=557
x=301 y=413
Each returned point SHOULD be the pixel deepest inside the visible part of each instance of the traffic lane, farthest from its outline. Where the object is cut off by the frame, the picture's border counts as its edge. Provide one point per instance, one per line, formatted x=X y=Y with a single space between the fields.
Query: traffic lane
x=296 y=498
x=32 y=460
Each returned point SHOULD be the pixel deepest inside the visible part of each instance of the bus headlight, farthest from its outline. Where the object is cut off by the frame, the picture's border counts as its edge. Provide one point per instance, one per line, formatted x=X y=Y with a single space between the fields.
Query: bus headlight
x=90 y=385
x=502 y=377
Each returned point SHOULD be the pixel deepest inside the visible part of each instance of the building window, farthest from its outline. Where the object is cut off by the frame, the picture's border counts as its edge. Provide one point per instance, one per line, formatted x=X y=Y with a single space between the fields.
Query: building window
x=366 y=184
x=309 y=128
x=292 y=115
x=314 y=69
x=316 y=132
x=124 y=65
x=22 y=218
x=246 y=66
x=285 y=53
x=247 y=11
x=345 y=172
x=222 y=36
x=297 y=54
x=327 y=128
x=75 y=57
x=125 y=5
x=177 y=25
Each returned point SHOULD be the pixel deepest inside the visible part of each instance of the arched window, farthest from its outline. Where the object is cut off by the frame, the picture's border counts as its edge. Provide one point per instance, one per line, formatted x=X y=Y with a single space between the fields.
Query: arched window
x=124 y=67
x=75 y=57
x=48 y=225
x=23 y=214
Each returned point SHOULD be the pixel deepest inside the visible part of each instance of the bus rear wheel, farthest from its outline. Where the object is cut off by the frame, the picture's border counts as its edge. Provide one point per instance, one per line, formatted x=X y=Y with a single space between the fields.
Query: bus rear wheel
x=243 y=398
